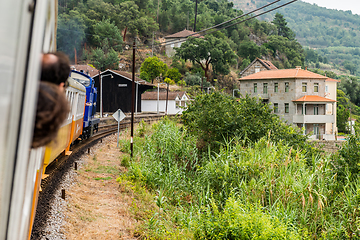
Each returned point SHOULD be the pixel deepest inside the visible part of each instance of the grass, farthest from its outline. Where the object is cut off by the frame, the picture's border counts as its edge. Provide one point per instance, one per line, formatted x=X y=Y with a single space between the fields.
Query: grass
x=102 y=178
x=272 y=188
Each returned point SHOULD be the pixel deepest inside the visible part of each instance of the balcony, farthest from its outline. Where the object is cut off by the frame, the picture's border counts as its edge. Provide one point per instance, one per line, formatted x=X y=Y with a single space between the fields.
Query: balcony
x=314 y=119
x=263 y=95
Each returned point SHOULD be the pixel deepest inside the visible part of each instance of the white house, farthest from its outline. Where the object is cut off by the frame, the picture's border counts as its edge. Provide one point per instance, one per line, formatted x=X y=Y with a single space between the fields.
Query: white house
x=351 y=125
x=176 y=100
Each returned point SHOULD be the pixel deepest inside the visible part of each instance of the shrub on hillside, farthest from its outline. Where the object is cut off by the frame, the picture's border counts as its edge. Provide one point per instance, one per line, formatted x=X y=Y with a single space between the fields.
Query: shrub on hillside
x=217 y=118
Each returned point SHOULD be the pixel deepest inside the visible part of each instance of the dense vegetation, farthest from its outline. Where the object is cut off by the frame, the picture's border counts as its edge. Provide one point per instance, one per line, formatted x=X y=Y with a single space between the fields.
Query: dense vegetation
x=217 y=118
x=335 y=34
x=95 y=30
x=261 y=189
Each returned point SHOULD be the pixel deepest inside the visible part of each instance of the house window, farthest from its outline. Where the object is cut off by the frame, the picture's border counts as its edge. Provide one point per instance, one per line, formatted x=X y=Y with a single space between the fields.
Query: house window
x=183 y=103
x=304 y=87
x=276 y=108
x=257 y=69
x=276 y=87
x=265 y=88
x=255 y=87
x=177 y=104
x=316 y=110
x=326 y=88
x=286 y=87
x=316 y=87
x=286 y=108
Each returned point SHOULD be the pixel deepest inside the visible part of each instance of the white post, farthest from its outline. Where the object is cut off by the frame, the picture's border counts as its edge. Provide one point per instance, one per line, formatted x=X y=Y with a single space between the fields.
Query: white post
x=158 y=111
x=118 y=129
x=101 y=91
x=136 y=100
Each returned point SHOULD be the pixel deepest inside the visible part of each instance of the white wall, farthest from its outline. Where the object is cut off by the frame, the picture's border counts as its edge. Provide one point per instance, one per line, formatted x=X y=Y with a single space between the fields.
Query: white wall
x=151 y=106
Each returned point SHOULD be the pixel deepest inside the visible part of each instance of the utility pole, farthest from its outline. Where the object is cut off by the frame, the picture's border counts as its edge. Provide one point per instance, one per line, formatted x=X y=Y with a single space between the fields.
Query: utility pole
x=101 y=91
x=132 y=102
x=167 y=98
x=195 y=15
x=152 y=46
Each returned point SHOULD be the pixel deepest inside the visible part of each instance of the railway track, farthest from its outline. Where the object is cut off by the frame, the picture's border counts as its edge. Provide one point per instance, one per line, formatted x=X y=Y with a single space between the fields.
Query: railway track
x=57 y=170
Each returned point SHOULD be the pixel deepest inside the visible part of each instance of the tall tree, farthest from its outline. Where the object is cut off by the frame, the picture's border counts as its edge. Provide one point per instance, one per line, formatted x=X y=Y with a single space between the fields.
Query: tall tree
x=208 y=52
x=151 y=68
x=135 y=21
x=351 y=87
x=352 y=67
x=107 y=30
x=283 y=30
x=249 y=49
x=102 y=60
x=342 y=112
x=70 y=32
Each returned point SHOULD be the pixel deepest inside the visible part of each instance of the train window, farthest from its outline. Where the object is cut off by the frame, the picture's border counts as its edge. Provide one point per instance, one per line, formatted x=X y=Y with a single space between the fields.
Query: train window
x=79 y=104
x=80 y=78
x=71 y=104
x=85 y=82
x=82 y=104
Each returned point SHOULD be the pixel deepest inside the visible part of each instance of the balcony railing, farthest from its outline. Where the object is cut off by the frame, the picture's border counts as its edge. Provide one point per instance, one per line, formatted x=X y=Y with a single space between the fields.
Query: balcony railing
x=313 y=118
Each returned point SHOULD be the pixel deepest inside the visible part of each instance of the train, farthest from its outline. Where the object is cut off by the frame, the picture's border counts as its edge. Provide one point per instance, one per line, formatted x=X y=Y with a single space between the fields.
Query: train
x=32 y=32
x=90 y=122
x=81 y=122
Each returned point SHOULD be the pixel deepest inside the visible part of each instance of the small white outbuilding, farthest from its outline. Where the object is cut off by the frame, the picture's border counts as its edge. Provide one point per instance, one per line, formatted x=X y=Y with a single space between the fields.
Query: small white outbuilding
x=151 y=102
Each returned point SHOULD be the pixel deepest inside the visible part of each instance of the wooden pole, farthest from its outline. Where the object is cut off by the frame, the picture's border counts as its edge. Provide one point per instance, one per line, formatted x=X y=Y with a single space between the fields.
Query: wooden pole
x=132 y=102
x=195 y=15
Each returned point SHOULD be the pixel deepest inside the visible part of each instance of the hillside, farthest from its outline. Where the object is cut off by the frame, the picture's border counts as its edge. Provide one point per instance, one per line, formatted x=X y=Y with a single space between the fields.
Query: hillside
x=335 y=34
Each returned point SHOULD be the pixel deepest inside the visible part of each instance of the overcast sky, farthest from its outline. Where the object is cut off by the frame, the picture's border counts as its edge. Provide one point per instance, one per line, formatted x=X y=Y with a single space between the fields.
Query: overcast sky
x=353 y=5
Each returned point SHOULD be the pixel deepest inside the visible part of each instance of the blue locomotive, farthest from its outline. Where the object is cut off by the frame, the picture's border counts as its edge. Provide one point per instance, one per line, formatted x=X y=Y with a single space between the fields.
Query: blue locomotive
x=91 y=124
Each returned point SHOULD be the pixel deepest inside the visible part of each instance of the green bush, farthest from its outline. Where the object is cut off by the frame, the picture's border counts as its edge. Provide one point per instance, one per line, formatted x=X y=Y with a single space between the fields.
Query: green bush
x=348 y=159
x=237 y=221
x=217 y=118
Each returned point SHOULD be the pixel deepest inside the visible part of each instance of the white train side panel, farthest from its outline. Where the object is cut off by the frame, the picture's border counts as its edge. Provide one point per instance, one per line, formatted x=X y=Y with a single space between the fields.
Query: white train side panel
x=25 y=27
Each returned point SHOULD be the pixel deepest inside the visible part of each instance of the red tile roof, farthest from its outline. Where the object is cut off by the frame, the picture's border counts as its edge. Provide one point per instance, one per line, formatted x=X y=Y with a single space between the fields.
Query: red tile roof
x=332 y=80
x=183 y=34
x=162 y=95
x=268 y=64
x=86 y=69
x=313 y=98
x=284 y=73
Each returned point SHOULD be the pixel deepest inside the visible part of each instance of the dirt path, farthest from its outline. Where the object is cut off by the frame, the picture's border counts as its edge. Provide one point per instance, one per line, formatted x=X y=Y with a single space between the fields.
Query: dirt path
x=96 y=208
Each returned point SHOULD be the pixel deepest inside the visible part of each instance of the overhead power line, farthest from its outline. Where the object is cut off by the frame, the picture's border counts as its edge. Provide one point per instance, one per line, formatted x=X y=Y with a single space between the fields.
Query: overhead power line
x=230 y=25
x=202 y=32
x=230 y=20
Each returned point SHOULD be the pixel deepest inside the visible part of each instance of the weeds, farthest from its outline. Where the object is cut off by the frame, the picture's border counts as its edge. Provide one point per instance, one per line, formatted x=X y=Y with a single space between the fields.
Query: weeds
x=263 y=190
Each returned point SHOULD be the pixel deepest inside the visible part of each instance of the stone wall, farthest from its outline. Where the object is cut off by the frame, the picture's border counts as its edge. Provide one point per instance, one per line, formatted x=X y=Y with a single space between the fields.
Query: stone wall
x=329 y=146
x=251 y=69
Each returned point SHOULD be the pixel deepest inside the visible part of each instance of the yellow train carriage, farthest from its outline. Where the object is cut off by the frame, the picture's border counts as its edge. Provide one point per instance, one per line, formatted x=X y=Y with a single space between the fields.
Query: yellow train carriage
x=72 y=127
